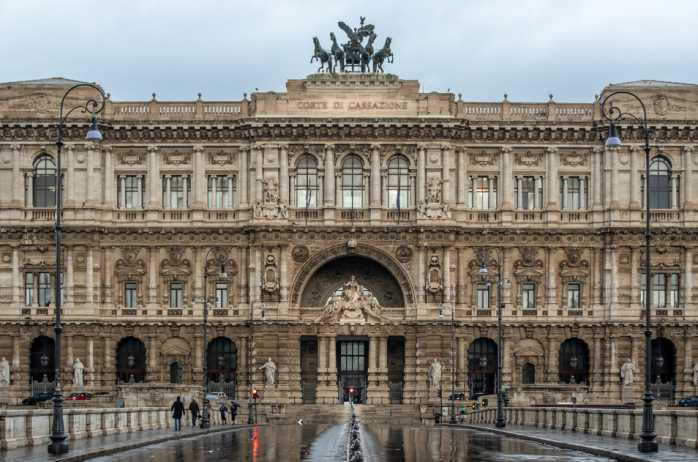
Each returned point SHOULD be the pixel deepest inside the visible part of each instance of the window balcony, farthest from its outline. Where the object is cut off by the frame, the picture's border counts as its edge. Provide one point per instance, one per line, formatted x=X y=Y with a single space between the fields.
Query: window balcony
x=41 y=214
x=299 y=215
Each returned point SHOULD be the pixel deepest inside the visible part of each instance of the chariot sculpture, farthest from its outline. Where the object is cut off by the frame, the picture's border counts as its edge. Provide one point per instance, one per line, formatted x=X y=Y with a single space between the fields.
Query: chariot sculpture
x=353 y=54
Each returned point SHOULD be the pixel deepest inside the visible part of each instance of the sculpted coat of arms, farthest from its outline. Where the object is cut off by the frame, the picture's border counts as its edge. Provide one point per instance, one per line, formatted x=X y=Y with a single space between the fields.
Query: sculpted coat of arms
x=354 y=304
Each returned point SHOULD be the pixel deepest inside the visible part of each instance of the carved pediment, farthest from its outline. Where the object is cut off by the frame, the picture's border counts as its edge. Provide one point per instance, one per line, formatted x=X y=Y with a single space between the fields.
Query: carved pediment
x=175 y=347
x=176 y=264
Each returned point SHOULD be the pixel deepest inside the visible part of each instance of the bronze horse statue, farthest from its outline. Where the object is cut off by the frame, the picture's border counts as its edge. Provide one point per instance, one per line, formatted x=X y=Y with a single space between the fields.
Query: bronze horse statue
x=322 y=55
x=337 y=52
x=381 y=55
x=367 y=53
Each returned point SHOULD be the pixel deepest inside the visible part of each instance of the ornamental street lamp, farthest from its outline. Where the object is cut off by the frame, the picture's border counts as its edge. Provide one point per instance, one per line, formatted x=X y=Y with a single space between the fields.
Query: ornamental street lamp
x=44 y=360
x=58 y=444
x=453 y=364
x=573 y=362
x=220 y=258
x=253 y=393
x=131 y=361
x=648 y=442
x=500 y=422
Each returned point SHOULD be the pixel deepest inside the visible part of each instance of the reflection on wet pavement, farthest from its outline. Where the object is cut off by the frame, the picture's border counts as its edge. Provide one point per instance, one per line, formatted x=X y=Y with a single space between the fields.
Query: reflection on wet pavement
x=325 y=443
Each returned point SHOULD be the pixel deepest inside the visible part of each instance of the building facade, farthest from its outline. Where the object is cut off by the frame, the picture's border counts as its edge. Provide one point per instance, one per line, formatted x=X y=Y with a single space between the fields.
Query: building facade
x=353 y=215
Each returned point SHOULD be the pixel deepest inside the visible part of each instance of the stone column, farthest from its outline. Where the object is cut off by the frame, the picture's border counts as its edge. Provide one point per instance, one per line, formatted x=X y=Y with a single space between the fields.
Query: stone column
x=338 y=190
x=490 y=184
x=447 y=273
x=328 y=160
x=612 y=153
x=258 y=272
x=259 y=173
x=582 y=193
x=17 y=183
x=322 y=354
x=292 y=196
x=90 y=176
x=674 y=184
x=214 y=191
x=446 y=173
x=687 y=185
x=462 y=264
x=153 y=277
x=106 y=359
x=199 y=352
x=383 y=358
x=16 y=279
x=69 y=277
x=89 y=279
x=462 y=359
x=552 y=359
x=537 y=205
x=688 y=363
x=421 y=279
x=185 y=192
x=152 y=368
x=597 y=271
x=634 y=191
x=634 y=277
x=462 y=176
x=90 y=361
x=138 y=192
x=551 y=279
x=68 y=365
x=688 y=279
x=551 y=170
x=229 y=205
x=421 y=172
x=70 y=186
x=367 y=181
x=199 y=188
x=506 y=274
x=283 y=173
x=154 y=201
x=372 y=364
x=597 y=178
x=30 y=189
x=109 y=189
x=244 y=273
x=243 y=178
x=375 y=176
x=108 y=258
x=122 y=179
x=283 y=290
x=199 y=263
x=505 y=190
x=565 y=184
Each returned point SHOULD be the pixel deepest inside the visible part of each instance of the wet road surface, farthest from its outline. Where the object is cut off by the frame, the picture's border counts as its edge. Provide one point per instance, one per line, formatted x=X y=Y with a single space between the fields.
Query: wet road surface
x=325 y=443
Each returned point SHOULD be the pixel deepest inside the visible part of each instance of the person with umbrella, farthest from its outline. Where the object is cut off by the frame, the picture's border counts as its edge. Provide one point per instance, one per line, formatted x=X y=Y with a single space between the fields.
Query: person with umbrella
x=224 y=412
x=233 y=411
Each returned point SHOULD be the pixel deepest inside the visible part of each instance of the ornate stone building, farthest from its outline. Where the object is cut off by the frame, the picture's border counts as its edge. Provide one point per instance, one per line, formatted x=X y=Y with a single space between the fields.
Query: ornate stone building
x=354 y=209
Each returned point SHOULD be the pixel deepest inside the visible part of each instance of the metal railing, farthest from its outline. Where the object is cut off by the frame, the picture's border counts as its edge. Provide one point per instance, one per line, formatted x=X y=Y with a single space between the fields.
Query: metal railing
x=395 y=392
x=308 y=389
x=43 y=387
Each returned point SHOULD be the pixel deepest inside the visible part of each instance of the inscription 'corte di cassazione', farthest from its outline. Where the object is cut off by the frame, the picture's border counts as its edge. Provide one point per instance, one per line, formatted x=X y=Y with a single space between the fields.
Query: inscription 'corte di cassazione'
x=364 y=105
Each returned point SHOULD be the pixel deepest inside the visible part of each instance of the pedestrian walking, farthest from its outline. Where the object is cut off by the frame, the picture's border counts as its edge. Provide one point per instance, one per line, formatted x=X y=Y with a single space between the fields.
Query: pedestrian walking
x=224 y=413
x=177 y=413
x=233 y=413
x=194 y=410
x=461 y=417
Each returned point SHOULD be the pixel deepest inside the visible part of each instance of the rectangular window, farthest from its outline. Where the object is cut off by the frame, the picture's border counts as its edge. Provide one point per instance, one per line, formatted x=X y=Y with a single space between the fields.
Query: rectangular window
x=674 y=294
x=131 y=191
x=177 y=185
x=44 y=289
x=221 y=295
x=28 y=289
x=573 y=295
x=175 y=295
x=659 y=290
x=483 y=296
x=575 y=199
x=528 y=192
x=221 y=199
x=479 y=195
x=130 y=295
x=529 y=296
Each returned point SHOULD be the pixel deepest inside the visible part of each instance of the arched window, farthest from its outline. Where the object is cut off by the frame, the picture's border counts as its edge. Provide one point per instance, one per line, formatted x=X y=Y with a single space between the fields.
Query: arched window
x=130 y=361
x=398 y=182
x=42 y=360
x=222 y=360
x=352 y=182
x=176 y=373
x=44 y=182
x=660 y=184
x=528 y=374
x=306 y=187
x=482 y=366
x=573 y=362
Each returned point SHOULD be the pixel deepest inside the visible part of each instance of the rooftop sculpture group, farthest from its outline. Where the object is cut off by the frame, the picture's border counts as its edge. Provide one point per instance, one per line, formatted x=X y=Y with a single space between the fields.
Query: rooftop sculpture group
x=353 y=53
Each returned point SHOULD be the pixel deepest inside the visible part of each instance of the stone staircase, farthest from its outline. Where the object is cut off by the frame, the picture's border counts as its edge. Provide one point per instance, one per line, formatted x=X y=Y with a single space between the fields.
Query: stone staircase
x=396 y=414
x=310 y=413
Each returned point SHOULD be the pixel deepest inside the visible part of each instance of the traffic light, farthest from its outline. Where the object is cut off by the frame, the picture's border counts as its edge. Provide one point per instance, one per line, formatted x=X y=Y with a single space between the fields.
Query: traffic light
x=439 y=395
x=505 y=398
x=351 y=390
x=254 y=393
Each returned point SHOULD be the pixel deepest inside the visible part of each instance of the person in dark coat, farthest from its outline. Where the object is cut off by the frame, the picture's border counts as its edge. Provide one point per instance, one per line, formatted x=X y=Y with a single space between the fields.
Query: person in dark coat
x=233 y=412
x=224 y=413
x=177 y=413
x=194 y=410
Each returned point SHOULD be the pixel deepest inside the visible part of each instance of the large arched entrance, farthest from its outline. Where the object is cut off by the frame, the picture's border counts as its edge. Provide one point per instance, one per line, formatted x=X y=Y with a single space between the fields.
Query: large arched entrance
x=374 y=277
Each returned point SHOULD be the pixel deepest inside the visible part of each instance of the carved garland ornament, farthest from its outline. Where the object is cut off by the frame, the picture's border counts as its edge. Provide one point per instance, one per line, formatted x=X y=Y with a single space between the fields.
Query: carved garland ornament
x=317 y=260
x=574 y=159
x=528 y=158
x=483 y=158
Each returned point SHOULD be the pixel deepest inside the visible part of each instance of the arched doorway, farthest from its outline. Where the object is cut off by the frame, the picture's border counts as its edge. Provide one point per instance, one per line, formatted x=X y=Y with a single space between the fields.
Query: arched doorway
x=331 y=276
x=663 y=361
x=221 y=365
x=482 y=366
x=130 y=361
x=42 y=365
x=573 y=362
x=176 y=373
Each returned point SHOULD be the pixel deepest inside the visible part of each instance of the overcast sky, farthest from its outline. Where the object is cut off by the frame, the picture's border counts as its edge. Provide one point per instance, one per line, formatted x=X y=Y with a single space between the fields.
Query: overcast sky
x=481 y=49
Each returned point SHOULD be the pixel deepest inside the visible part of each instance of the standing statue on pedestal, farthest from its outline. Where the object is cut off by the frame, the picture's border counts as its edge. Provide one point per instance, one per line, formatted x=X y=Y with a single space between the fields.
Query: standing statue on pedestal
x=626 y=373
x=78 y=369
x=269 y=370
x=4 y=373
x=695 y=375
x=435 y=373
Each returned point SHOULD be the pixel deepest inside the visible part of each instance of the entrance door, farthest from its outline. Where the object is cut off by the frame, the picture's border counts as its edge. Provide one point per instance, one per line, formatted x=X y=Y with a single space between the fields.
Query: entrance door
x=352 y=369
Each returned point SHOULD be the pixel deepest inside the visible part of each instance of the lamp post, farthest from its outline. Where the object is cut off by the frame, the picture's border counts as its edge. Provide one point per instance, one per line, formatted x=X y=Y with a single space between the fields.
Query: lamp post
x=453 y=364
x=263 y=306
x=58 y=444
x=221 y=257
x=500 y=422
x=648 y=442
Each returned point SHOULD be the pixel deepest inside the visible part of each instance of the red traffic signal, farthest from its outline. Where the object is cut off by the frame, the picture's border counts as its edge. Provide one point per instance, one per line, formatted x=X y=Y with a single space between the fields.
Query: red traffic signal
x=351 y=390
x=254 y=392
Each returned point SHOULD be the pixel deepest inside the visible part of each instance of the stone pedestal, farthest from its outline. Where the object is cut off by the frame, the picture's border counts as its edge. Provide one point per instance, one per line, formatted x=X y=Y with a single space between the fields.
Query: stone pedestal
x=434 y=396
x=631 y=394
x=269 y=396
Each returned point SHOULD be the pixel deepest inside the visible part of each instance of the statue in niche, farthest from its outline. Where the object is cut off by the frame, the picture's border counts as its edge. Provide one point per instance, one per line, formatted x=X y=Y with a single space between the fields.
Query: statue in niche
x=271 y=207
x=269 y=370
x=78 y=370
x=626 y=373
x=435 y=373
x=4 y=373
x=434 y=190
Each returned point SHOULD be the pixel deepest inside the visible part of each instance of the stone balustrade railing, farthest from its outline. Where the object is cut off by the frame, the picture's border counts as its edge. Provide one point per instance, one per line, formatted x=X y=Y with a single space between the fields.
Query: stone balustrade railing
x=33 y=427
x=672 y=427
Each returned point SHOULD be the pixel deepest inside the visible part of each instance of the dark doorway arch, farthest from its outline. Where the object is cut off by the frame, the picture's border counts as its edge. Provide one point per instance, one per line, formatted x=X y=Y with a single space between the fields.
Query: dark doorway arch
x=573 y=362
x=482 y=366
x=176 y=373
x=528 y=374
x=663 y=361
x=42 y=360
x=221 y=360
x=130 y=361
x=331 y=276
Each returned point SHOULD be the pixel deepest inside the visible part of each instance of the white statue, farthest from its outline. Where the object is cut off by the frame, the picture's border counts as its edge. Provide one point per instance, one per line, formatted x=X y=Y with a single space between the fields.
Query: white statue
x=695 y=375
x=435 y=373
x=626 y=373
x=4 y=373
x=78 y=369
x=270 y=369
